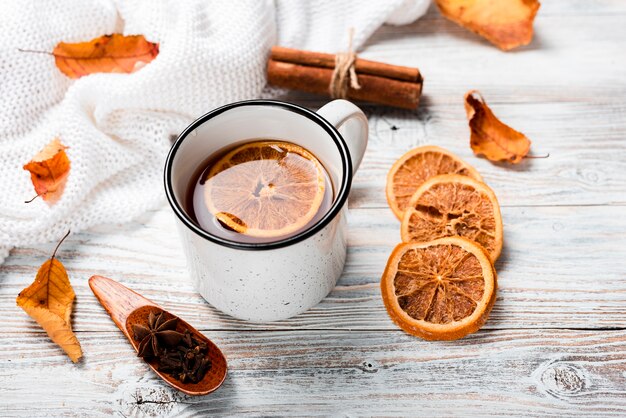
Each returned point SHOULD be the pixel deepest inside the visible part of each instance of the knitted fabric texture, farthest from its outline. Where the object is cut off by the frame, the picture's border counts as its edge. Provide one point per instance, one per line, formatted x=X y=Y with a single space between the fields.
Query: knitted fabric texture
x=119 y=127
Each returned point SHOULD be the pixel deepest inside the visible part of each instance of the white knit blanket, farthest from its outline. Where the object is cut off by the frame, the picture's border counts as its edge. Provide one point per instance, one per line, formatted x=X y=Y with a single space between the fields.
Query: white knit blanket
x=118 y=126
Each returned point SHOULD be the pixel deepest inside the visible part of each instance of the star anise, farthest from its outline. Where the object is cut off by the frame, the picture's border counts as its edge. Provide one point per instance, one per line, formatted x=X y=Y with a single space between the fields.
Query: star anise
x=158 y=335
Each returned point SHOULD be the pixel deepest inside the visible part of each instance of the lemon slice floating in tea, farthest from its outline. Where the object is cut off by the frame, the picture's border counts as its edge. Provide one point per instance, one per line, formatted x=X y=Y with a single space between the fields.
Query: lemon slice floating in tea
x=265 y=189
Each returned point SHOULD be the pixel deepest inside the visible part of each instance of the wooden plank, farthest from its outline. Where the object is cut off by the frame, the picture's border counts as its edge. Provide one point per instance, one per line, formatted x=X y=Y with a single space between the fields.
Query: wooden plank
x=562 y=267
x=584 y=141
x=575 y=56
x=319 y=373
x=561 y=275
x=563 y=91
x=586 y=163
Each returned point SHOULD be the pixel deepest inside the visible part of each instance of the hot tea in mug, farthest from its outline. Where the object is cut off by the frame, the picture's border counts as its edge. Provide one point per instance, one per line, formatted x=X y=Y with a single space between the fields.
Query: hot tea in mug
x=259 y=191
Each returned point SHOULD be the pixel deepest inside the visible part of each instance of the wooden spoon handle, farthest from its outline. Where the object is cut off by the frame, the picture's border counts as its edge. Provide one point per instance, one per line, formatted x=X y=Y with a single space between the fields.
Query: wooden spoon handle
x=118 y=300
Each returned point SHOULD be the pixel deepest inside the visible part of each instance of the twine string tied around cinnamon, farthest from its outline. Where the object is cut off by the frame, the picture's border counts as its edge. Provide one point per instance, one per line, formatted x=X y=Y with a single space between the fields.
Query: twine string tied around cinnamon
x=344 y=75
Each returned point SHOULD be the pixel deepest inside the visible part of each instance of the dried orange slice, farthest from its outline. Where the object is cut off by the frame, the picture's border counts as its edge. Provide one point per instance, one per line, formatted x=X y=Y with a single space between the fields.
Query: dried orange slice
x=265 y=188
x=450 y=205
x=417 y=166
x=439 y=290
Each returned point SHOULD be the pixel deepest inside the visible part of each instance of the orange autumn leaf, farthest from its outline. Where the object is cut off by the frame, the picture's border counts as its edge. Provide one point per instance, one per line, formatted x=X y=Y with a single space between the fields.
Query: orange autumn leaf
x=490 y=137
x=107 y=54
x=505 y=23
x=49 y=301
x=49 y=170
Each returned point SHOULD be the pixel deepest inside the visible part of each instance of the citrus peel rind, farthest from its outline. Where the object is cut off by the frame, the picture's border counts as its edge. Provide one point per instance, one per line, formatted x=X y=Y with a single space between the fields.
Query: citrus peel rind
x=415 y=167
x=439 y=290
x=454 y=205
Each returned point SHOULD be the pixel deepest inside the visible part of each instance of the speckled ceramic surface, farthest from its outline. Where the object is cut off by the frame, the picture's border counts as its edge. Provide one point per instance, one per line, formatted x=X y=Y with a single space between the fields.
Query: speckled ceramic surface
x=270 y=281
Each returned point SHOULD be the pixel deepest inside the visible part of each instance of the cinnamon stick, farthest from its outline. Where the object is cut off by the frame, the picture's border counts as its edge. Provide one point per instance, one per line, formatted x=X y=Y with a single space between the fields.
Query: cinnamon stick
x=320 y=59
x=381 y=83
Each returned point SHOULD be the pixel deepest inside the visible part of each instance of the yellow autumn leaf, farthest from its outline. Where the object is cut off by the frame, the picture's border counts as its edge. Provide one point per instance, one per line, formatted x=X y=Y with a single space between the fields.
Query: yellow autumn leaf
x=491 y=137
x=48 y=300
x=507 y=24
x=49 y=170
x=114 y=53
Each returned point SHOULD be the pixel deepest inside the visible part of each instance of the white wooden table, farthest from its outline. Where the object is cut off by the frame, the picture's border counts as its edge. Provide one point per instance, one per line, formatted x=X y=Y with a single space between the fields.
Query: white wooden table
x=555 y=344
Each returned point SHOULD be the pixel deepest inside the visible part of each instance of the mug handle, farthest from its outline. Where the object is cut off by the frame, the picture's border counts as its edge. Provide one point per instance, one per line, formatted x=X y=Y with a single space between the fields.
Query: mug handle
x=353 y=122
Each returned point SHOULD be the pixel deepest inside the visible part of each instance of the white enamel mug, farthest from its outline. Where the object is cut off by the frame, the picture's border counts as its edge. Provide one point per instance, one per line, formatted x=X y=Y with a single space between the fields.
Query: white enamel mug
x=269 y=281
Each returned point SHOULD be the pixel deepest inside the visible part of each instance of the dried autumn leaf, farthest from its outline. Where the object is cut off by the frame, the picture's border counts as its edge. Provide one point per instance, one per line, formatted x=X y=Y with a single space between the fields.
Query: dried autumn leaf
x=49 y=302
x=49 y=170
x=107 y=54
x=490 y=137
x=507 y=24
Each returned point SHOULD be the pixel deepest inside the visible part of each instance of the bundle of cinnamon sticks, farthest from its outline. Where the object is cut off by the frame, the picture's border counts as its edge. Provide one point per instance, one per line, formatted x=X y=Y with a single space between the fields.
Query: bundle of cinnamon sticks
x=386 y=84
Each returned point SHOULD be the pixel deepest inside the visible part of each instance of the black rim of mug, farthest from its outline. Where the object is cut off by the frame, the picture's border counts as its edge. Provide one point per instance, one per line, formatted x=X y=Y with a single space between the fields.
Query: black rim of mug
x=340 y=200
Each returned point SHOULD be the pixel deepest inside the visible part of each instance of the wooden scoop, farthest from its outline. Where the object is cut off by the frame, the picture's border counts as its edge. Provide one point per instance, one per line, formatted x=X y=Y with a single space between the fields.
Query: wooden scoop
x=127 y=308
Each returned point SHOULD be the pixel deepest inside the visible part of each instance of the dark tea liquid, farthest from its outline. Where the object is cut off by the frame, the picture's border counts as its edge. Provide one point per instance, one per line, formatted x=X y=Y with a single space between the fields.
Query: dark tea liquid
x=259 y=191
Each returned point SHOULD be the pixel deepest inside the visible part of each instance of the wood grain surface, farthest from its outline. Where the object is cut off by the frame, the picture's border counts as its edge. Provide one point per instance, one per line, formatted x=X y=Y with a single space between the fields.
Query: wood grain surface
x=555 y=344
